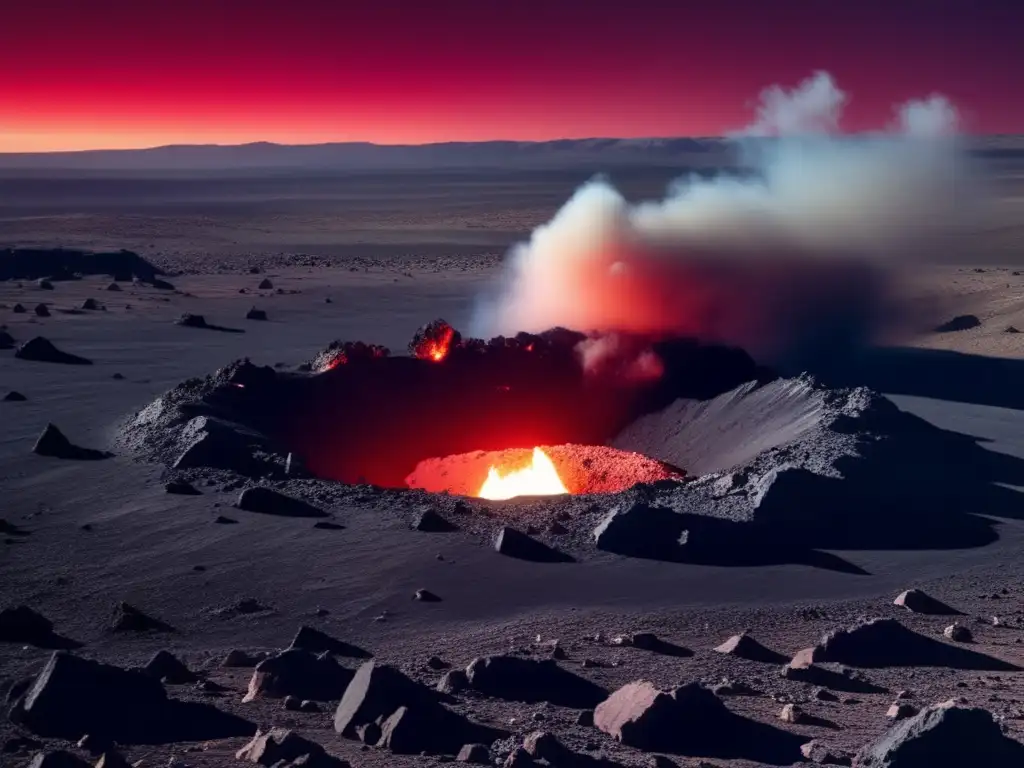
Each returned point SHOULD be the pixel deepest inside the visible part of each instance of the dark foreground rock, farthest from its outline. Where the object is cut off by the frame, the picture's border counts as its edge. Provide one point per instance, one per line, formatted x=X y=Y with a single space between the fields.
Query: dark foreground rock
x=301 y=674
x=6 y=340
x=690 y=720
x=72 y=697
x=944 y=736
x=216 y=444
x=516 y=544
x=42 y=350
x=384 y=707
x=520 y=679
x=54 y=444
x=20 y=624
x=199 y=321
x=41 y=310
x=887 y=643
x=429 y=521
x=270 y=502
x=67 y=263
x=166 y=667
x=283 y=748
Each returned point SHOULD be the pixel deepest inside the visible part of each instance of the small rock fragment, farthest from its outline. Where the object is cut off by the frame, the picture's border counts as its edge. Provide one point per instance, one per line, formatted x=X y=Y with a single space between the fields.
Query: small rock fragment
x=958 y=633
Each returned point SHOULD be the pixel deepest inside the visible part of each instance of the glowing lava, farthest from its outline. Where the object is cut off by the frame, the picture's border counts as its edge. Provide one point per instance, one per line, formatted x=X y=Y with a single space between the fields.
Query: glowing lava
x=540 y=478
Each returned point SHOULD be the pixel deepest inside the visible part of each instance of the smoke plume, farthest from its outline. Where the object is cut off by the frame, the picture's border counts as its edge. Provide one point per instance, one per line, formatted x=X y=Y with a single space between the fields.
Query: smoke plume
x=793 y=258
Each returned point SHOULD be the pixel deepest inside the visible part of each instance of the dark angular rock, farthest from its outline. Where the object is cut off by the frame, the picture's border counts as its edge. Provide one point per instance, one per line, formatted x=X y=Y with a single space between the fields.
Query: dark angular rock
x=256 y=314
x=167 y=667
x=916 y=601
x=299 y=673
x=516 y=544
x=959 y=323
x=114 y=287
x=160 y=285
x=128 y=618
x=54 y=444
x=6 y=340
x=118 y=377
x=42 y=350
x=192 y=321
x=640 y=530
x=41 y=310
x=18 y=309
x=58 y=759
x=375 y=692
x=474 y=754
x=219 y=449
x=222 y=520
x=529 y=680
x=746 y=647
x=585 y=718
x=265 y=284
x=91 y=304
x=944 y=736
x=182 y=488
x=241 y=659
x=270 y=502
x=453 y=681
x=429 y=521
x=958 y=633
x=818 y=752
x=14 y=397
x=44 y=285
x=23 y=625
x=542 y=745
x=426 y=596
x=315 y=641
x=283 y=748
x=74 y=696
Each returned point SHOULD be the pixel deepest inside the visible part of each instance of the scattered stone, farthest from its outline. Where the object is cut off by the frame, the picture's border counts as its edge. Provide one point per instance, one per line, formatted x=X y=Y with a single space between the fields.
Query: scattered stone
x=42 y=350
x=291 y=703
x=959 y=323
x=23 y=625
x=585 y=718
x=223 y=520
x=18 y=309
x=240 y=659
x=818 y=752
x=513 y=543
x=182 y=488
x=57 y=759
x=14 y=397
x=1011 y=329
x=823 y=694
x=6 y=340
x=958 y=633
x=475 y=754
x=54 y=444
x=745 y=647
x=90 y=304
x=429 y=521
x=315 y=641
x=530 y=680
x=435 y=662
x=44 y=285
x=640 y=530
x=256 y=314
x=943 y=736
x=166 y=667
x=215 y=445
x=453 y=681
x=426 y=596
x=308 y=706
x=297 y=672
x=265 y=284
x=72 y=696
x=41 y=310
x=267 y=501
x=791 y=713
x=128 y=618
x=114 y=287
x=283 y=748
x=118 y=377
x=916 y=601
x=901 y=711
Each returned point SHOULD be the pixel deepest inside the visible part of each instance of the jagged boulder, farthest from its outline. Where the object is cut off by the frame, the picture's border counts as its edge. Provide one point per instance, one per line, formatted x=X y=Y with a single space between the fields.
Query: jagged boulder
x=215 y=444
x=282 y=748
x=21 y=624
x=746 y=647
x=167 y=667
x=128 y=618
x=513 y=543
x=916 y=601
x=90 y=304
x=429 y=521
x=40 y=349
x=265 y=284
x=315 y=641
x=6 y=340
x=521 y=679
x=474 y=754
x=54 y=444
x=299 y=673
x=943 y=736
x=267 y=501
x=640 y=530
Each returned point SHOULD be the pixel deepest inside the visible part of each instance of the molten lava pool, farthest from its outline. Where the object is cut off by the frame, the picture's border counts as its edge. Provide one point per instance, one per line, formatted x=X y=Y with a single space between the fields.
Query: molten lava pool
x=541 y=471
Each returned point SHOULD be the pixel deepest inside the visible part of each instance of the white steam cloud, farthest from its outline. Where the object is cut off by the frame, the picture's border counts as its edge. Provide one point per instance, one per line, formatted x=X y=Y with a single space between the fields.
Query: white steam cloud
x=786 y=261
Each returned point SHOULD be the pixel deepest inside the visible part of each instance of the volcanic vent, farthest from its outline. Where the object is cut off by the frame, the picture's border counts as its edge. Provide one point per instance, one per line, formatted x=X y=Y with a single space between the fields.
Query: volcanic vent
x=528 y=415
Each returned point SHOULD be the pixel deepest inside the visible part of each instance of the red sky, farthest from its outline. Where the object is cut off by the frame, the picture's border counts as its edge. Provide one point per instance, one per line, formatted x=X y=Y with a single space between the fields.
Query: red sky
x=128 y=73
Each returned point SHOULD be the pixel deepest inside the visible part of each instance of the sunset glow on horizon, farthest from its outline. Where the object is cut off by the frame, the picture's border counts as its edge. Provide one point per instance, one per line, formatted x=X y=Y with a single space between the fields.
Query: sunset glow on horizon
x=121 y=74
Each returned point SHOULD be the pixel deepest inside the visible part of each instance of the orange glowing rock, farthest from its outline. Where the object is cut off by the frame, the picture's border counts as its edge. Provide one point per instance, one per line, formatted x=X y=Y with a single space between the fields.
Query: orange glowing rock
x=539 y=478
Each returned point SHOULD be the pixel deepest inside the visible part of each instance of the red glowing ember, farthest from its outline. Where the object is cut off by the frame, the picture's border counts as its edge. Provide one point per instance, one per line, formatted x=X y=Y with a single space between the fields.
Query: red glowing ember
x=433 y=341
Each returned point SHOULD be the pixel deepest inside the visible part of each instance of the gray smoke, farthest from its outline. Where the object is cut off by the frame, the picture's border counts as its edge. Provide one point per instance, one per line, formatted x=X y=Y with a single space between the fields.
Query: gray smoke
x=797 y=259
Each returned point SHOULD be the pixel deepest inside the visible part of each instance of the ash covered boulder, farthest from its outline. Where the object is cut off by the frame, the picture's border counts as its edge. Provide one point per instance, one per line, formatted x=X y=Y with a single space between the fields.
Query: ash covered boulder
x=944 y=736
x=283 y=748
x=165 y=666
x=267 y=501
x=301 y=674
x=887 y=643
x=42 y=350
x=746 y=647
x=916 y=601
x=315 y=641
x=641 y=530
x=54 y=444
x=690 y=720
x=128 y=618
x=474 y=754
x=72 y=696
x=822 y=754
x=517 y=544
x=114 y=287
x=67 y=263
x=521 y=679
x=374 y=693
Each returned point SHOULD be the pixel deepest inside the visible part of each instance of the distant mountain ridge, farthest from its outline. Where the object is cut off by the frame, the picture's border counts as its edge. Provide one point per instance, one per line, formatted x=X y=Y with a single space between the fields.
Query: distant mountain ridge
x=693 y=152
